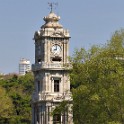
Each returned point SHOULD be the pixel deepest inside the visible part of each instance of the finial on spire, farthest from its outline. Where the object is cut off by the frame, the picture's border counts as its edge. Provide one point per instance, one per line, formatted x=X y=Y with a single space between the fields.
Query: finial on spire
x=52 y=5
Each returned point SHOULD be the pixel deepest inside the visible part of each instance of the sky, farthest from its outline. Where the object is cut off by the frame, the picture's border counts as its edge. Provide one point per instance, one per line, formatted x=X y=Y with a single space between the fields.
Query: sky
x=89 y=22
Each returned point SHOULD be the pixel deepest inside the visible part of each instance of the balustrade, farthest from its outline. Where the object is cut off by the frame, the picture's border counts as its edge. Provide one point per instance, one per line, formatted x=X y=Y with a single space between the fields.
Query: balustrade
x=55 y=66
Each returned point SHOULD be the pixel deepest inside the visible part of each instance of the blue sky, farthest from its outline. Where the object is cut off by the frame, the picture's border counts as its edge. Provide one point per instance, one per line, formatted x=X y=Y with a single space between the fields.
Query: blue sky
x=89 y=21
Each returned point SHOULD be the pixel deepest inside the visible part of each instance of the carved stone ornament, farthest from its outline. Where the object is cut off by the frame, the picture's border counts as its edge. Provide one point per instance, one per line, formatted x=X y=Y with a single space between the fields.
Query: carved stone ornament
x=57 y=34
x=58 y=98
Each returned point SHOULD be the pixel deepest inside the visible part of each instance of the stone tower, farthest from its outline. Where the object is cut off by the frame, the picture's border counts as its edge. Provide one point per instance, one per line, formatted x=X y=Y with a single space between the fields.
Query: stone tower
x=51 y=73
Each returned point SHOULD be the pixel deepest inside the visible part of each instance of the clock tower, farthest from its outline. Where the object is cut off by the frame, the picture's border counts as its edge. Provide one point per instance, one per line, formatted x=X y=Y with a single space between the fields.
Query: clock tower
x=51 y=73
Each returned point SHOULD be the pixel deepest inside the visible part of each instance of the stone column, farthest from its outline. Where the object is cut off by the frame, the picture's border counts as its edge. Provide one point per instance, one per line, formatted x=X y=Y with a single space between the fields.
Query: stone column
x=45 y=51
x=67 y=52
x=51 y=117
x=46 y=114
x=64 y=51
x=48 y=49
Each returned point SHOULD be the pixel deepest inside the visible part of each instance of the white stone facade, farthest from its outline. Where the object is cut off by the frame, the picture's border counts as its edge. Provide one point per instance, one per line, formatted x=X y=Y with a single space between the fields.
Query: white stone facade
x=51 y=73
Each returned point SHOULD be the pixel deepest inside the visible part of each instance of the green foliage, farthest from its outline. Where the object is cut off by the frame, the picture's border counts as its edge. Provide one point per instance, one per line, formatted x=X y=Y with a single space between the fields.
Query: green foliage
x=61 y=108
x=6 y=106
x=19 y=90
x=98 y=84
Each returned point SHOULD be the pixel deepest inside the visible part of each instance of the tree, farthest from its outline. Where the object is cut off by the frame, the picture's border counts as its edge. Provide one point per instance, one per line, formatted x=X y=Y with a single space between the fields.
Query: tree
x=6 y=106
x=98 y=83
x=19 y=90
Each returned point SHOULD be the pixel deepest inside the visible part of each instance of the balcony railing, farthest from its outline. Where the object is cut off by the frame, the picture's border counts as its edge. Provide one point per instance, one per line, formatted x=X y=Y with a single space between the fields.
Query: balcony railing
x=52 y=66
x=51 y=96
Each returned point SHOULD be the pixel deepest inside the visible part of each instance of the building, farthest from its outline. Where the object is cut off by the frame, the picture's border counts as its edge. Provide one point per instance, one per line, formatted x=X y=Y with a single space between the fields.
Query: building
x=51 y=73
x=24 y=66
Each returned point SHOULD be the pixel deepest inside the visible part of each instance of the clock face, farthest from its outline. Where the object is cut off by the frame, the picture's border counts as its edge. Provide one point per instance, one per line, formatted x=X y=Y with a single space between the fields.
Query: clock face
x=56 y=49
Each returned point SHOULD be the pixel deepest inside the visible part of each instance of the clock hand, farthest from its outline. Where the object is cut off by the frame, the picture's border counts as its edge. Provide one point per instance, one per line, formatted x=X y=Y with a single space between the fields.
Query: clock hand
x=56 y=47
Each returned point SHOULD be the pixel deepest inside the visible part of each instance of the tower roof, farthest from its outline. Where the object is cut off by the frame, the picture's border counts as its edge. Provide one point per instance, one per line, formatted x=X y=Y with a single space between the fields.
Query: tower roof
x=51 y=28
x=51 y=21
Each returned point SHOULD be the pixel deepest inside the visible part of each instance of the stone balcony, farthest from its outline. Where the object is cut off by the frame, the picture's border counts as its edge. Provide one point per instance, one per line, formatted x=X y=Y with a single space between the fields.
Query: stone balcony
x=55 y=97
x=51 y=66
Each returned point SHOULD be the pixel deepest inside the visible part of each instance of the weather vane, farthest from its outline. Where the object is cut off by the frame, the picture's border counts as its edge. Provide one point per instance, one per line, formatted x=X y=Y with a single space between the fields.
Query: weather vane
x=52 y=5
